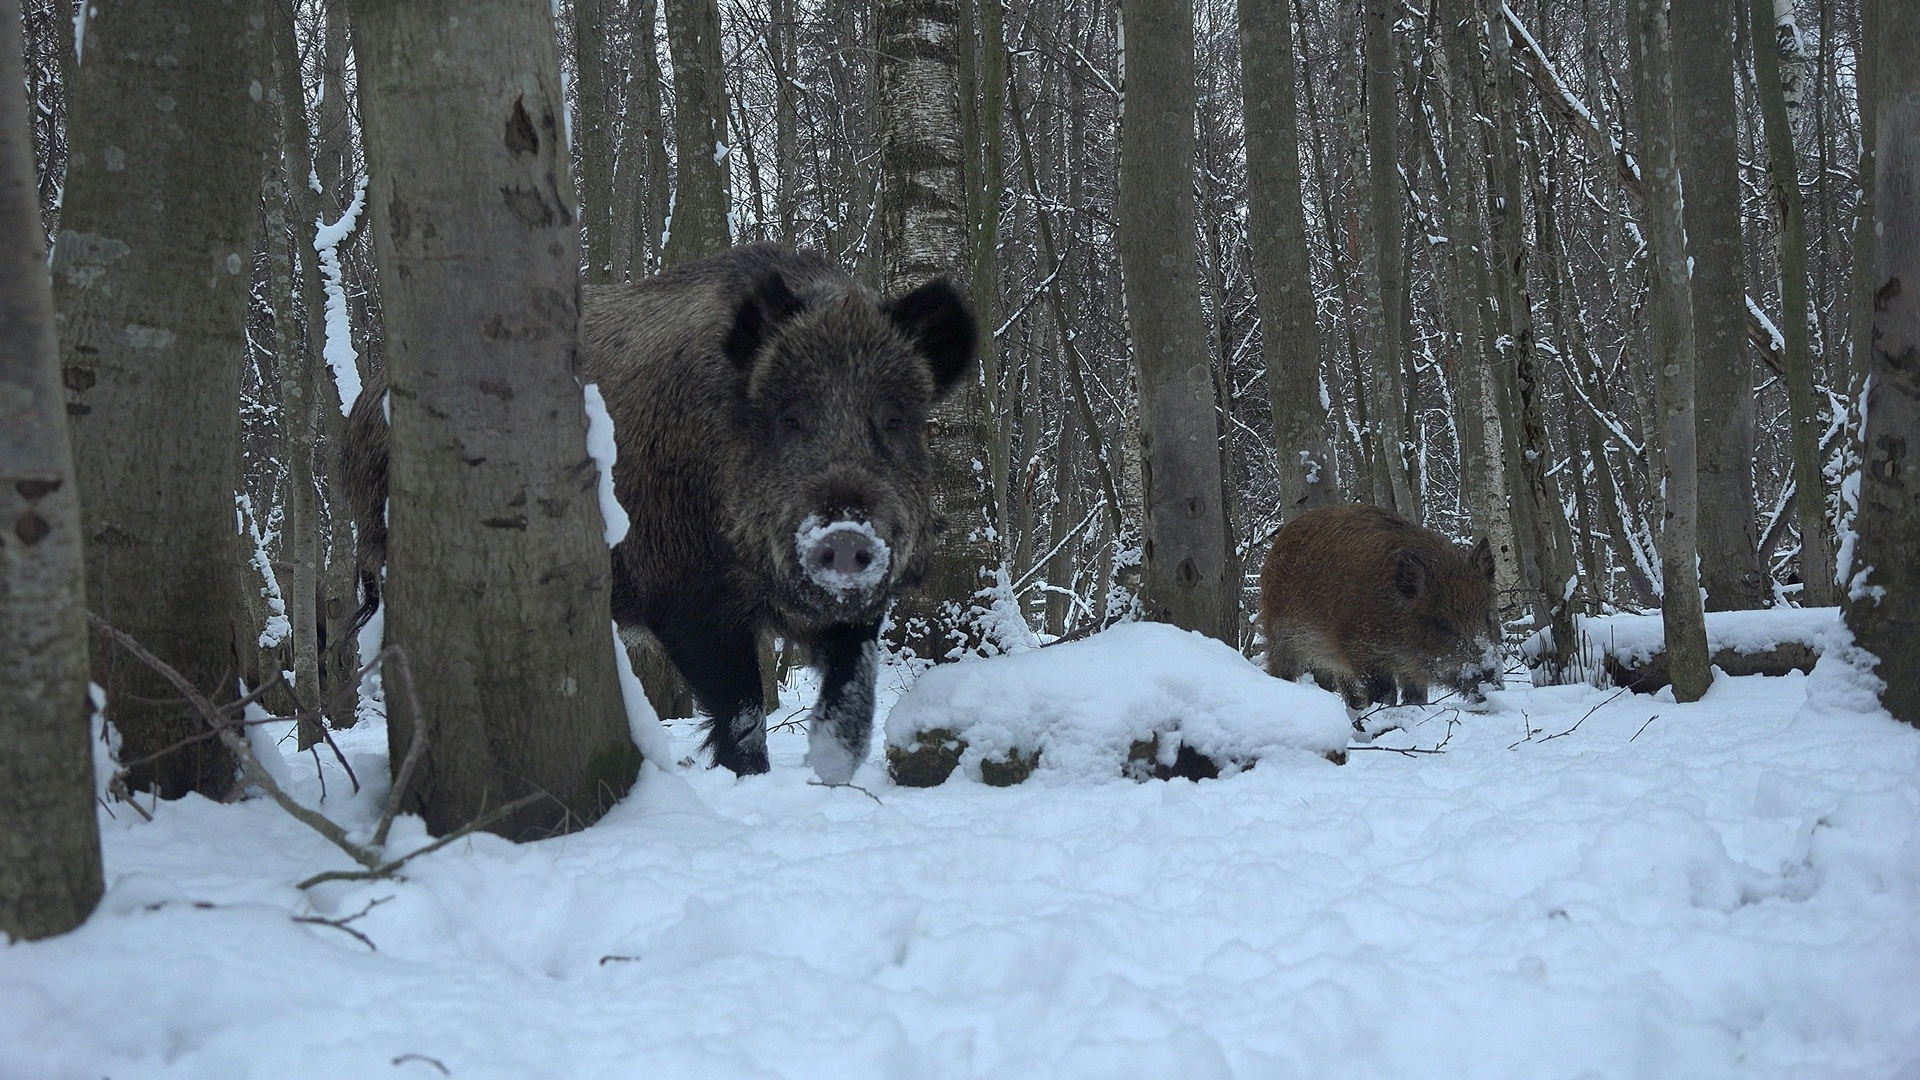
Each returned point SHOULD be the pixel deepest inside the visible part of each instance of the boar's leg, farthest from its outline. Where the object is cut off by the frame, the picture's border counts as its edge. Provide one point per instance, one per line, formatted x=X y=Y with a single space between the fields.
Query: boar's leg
x=1413 y=692
x=841 y=724
x=721 y=665
x=1367 y=689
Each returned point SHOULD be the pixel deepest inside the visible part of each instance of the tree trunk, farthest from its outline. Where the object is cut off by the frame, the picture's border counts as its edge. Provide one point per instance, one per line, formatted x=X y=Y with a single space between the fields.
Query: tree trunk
x=1387 y=216
x=1277 y=239
x=593 y=136
x=1883 y=595
x=1804 y=414
x=298 y=356
x=1537 y=515
x=698 y=222
x=644 y=184
x=50 y=875
x=1708 y=143
x=497 y=570
x=1185 y=572
x=923 y=234
x=1670 y=332
x=151 y=277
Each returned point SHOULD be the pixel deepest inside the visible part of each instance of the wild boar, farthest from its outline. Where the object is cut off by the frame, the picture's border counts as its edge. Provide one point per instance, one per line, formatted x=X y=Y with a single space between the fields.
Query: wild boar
x=770 y=415
x=1371 y=603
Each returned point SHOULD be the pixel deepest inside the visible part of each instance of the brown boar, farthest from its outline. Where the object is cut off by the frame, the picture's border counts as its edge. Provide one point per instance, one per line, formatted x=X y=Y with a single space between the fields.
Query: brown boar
x=1370 y=603
x=770 y=415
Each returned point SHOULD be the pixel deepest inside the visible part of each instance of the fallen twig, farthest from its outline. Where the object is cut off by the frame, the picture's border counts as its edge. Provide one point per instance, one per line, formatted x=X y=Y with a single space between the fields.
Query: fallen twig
x=416 y=747
x=341 y=924
x=856 y=787
x=1583 y=718
x=435 y=1062
x=1643 y=727
x=387 y=869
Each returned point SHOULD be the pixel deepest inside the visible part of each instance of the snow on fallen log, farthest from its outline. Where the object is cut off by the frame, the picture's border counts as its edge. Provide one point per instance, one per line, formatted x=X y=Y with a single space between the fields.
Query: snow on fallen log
x=1632 y=648
x=1142 y=700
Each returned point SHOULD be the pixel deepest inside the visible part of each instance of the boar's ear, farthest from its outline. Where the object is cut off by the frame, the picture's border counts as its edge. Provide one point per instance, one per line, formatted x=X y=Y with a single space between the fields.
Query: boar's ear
x=1410 y=575
x=768 y=304
x=936 y=318
x=1481 y=558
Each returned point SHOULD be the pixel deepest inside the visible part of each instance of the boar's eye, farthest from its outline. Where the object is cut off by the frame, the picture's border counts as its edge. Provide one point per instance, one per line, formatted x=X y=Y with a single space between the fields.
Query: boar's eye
x=894 y=423
x=790 y=422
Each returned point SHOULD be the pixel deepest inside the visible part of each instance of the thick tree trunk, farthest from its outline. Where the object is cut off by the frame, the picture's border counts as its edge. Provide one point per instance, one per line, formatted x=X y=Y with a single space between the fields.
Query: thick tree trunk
x=1670 y=329
x=1790 y=246
x=1708 y=143
x=698 y=223
x=50 y=876
x=1883 y=596
x=151 y=276
x=644 y=186
x=1277 y=239
x=1185 y=572
x=924 y=234
x=497 y=572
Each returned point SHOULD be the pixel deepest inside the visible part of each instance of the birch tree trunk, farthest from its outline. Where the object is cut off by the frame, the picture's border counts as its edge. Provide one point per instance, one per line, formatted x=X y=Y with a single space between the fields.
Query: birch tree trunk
x=1185 y=549
x=497 y=573
x=1670 y=329
x=1277 y=237
x=698 y=222
x=924 y=234
x=152 y=270
x=50 y=877
x=1804 y=415
x=1708 y=146
x=1883 y=597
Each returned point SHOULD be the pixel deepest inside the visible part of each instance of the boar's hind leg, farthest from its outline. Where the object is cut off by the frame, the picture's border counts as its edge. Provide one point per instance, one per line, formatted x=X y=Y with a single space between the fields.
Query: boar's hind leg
x=720 y=664
x=841 y=724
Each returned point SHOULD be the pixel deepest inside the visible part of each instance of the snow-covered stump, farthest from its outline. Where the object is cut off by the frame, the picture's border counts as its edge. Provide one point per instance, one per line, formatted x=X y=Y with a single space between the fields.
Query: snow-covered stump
x=1141 y=700
x=1631 y=649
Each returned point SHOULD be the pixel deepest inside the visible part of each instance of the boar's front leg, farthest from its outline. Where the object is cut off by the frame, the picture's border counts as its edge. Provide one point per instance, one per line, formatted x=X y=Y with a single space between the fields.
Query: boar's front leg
x=841 y=724
x=721 y=665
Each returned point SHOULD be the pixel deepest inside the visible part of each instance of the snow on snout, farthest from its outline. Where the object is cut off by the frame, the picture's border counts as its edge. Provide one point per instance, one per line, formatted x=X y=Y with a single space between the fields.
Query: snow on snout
x=842 y=556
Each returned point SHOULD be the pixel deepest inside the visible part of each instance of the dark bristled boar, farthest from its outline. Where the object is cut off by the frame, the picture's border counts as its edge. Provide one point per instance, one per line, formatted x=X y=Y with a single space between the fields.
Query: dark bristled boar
x=1370 y=602
x=770 y=415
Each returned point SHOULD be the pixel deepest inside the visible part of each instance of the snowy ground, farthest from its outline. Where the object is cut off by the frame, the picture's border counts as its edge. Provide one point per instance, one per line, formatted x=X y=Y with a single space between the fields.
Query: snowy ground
x=1580 y=885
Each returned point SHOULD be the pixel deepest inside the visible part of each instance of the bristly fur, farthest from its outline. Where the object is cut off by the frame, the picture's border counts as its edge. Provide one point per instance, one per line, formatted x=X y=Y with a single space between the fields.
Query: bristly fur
x=749 y=391
x=1371 y=603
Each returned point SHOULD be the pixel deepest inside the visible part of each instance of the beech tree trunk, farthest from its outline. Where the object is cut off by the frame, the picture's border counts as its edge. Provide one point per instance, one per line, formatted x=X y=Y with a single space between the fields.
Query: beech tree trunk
x=1277 y=239
x=151 y=274
x=697 y=223
x=1707 y=123
x=1883 y=596
x=593 y=136
x=1184 y=580
x=50 y=877
x=1670 y=327
x=497 y=570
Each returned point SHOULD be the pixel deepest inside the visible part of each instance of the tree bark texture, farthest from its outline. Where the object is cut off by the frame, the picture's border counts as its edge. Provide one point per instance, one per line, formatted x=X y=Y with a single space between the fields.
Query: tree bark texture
x=1883 y=604
x=1277 y=241
x=1670 y=328
x=924 y=234
x=151 y=276
x=50 y=877
x=1185 y=545
x=698 y=222
x=593 y=136
x=1707 y=123
x=1790 y=246
x=497 y=571
x=1387 y=206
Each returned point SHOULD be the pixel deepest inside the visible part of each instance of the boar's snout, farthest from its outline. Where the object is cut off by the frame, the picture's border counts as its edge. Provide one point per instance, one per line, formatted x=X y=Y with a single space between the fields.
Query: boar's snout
x=842 y=556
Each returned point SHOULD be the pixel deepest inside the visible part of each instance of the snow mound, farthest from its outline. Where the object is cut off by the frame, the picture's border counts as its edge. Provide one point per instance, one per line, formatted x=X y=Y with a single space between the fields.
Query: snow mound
x=1633 y=639
x=1141 y=699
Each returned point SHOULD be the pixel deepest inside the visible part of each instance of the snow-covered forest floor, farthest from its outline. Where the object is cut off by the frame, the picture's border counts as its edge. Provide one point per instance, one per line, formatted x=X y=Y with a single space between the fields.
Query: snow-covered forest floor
x=1583 y=883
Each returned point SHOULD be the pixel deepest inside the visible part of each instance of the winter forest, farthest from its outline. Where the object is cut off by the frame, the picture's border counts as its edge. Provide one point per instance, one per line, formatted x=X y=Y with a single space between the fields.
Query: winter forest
x=960 y=538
